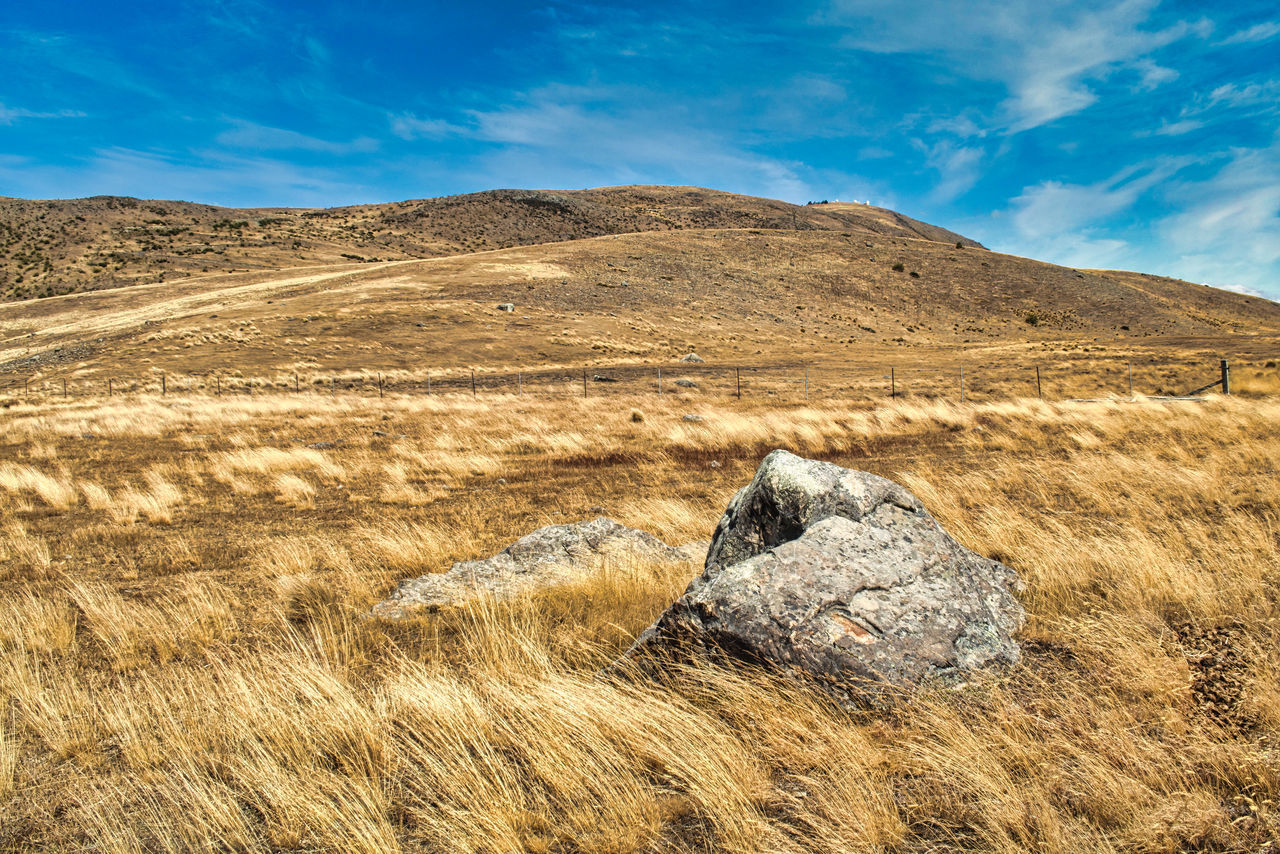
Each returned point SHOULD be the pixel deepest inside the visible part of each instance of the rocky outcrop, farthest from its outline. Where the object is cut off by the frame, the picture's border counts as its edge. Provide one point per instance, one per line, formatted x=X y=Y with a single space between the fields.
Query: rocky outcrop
x=844 y=578
x=556 y=554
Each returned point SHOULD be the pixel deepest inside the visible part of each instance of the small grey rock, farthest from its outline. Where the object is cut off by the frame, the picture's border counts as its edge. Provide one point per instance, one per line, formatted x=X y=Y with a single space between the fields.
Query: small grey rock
x=692 y=357
x=556 y=554
x=506 y=306
x=321 y=446
x=686 y=384
x=693 y=419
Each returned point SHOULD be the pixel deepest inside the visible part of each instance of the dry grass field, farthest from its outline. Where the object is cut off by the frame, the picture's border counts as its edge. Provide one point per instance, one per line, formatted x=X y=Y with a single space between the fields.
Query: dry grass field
x=187 y=665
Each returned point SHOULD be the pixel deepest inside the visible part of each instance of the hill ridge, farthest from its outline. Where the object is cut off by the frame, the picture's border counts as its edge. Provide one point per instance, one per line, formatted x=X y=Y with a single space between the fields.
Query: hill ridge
x=58 y=246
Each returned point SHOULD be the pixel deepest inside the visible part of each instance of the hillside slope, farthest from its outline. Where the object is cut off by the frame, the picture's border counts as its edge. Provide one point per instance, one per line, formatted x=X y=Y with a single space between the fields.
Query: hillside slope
x=68 y=246
x=737 y=296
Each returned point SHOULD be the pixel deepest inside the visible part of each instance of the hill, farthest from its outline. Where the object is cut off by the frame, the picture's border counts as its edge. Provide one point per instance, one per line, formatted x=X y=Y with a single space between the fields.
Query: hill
x=69 y=246
x=850 y=290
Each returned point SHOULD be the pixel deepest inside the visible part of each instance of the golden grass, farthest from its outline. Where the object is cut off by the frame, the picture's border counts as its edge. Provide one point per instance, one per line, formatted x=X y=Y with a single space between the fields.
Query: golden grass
x=204 y=677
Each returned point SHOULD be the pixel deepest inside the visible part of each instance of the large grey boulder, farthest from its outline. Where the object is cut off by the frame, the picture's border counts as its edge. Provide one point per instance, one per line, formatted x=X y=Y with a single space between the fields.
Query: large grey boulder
x=556 y=554
x=842 y=577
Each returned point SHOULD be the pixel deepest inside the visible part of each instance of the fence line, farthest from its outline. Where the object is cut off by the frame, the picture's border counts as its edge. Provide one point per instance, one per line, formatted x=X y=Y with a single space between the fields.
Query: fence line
x=795 y=379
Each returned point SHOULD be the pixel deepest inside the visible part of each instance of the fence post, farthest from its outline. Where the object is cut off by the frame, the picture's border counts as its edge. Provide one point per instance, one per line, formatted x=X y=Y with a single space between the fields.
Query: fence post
x=25 y=389
x=1038 y=394
x=428 y=385
x=893 y=384
x=1130 y=379
x=164 y=386
x=108 y=387
x=64 y=386
x=218 y=380
x=379 y=385
x=1226 y=377
x=659 y=382
x=295 y=384
x=806 y=382
x=473 y=382
x=962 y=385
x=333 y=386
x=519 y=382
x=584 y=382
x=737 y=375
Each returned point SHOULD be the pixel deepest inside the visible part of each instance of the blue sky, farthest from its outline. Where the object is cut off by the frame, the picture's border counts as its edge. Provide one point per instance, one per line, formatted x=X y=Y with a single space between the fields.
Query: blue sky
x=1139 y=135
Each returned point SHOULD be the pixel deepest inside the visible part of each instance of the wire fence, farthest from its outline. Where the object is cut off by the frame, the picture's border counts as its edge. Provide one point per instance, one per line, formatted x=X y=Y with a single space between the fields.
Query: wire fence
x=979 y=382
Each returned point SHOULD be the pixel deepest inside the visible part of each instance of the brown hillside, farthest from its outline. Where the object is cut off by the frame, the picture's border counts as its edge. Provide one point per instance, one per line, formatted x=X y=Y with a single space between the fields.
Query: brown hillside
x=736 y=296
x=68 y=246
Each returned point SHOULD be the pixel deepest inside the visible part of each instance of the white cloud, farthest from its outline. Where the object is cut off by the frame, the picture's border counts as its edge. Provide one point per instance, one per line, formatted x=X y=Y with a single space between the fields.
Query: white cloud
x=263 y=138
x=1232 y=95
x=1257 y=33
x=409 y=126
x=1230 y=100
x=1055 y=208
x=1152 y=75
x=1227 y=228
x=1217 y=223
x=1178 y=128
x=9 y=115
x=958 y=170
x=961 y=126
x=574 y=136
x=1243 y=289
x=1049 y=54
x=209 y=177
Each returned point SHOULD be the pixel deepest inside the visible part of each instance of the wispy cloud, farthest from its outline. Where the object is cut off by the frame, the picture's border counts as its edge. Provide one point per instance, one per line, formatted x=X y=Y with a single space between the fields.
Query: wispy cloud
x=1055 y=208
x=76 y=57
x=1218 y=220
x=262 y=138
x=1178 y=128
x=1266 y=93
x=959 y=168
x=1228 y=100
x=211 y=177
x=1227 y=228
x=1082 y=225
x=9 y=115
x=1049 y=54
x=1262 y=32
x=608 y=133
x=410 y=126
